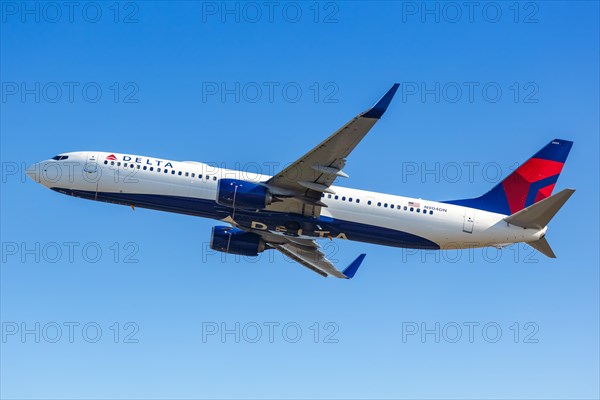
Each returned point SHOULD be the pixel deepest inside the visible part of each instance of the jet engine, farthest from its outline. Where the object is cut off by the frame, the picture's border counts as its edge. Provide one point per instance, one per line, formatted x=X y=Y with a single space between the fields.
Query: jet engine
x=236 y=241
x=237 y=193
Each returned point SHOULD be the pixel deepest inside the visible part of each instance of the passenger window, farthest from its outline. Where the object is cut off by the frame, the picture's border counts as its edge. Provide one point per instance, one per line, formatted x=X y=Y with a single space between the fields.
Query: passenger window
x=157 y=169
x=350 y=199
x=145 y=167
x=105 y=162
x=379 y=204
x=151 y=168
x=405 y=208
x=119 y=164
x=357 y=201
x=328 y=196
x=166 y=171
x=430 y=212
x=337 y=197
x=173 y=172
x=369 y=202
x=187 y=174
x=343 y=198
x=391 y=206
x=214 y=178
x=179 y=173
x=138 y=166
x=193 y=175
x=424 y=211
x=412 y=209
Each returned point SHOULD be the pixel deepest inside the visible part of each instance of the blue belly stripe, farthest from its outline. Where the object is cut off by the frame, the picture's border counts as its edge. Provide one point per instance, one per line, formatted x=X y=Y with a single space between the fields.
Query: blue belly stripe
x=210 y=209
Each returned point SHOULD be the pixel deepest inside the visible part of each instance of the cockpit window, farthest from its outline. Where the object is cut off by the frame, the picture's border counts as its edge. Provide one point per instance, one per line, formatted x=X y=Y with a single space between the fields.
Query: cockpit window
x=60 y=158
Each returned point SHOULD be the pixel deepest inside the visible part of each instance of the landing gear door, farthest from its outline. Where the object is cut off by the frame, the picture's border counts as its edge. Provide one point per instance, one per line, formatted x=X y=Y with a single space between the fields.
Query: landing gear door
x=469 y=220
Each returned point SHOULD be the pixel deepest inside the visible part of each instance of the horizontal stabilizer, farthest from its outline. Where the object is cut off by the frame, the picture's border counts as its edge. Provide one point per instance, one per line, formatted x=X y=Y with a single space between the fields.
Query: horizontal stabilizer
x=539 y=214
x=543 y=247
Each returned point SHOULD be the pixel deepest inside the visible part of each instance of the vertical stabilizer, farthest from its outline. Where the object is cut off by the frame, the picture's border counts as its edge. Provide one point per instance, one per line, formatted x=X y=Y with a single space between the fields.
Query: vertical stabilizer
x=533 y=181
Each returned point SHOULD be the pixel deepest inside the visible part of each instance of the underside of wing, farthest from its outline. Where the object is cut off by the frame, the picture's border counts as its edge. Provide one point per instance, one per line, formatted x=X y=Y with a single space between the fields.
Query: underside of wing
x=315 y=260
x=300 y=186
x=307 y=253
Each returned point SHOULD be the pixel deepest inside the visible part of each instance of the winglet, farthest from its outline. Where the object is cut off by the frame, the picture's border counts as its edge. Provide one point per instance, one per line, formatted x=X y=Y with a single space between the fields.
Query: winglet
x=382 y=105
x=351 y=269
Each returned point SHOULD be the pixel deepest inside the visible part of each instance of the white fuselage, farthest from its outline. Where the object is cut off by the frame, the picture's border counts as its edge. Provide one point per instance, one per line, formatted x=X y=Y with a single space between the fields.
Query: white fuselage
x=191 y=188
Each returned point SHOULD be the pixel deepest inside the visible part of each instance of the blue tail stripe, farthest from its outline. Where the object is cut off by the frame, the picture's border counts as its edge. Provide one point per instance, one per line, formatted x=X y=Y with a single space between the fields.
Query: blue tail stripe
x=536 y=186
x=493 y=201
x=556 y=150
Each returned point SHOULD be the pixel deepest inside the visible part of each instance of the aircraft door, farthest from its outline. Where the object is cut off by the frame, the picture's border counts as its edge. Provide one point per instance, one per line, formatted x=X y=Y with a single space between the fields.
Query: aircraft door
x=91 y=172
x=469 y=220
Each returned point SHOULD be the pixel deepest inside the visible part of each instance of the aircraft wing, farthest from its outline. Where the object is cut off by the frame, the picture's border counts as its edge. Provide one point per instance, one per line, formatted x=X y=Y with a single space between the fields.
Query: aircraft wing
x=312 y=174
x=315 y=260
x=308 y=253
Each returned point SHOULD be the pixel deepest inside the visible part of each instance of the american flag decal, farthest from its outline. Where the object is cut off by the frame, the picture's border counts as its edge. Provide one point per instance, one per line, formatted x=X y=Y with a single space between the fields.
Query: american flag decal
x=414 y=204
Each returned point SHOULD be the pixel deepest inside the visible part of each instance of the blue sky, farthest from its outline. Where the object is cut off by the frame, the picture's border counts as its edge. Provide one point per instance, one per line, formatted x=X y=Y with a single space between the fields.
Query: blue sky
x=481 y=90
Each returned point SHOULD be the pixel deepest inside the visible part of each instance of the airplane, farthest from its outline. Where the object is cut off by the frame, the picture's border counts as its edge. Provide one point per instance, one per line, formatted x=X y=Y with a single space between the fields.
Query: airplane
x=294 y=209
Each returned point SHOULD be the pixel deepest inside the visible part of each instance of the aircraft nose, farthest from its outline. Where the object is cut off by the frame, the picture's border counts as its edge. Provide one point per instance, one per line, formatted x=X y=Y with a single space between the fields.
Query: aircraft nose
x=33 y=171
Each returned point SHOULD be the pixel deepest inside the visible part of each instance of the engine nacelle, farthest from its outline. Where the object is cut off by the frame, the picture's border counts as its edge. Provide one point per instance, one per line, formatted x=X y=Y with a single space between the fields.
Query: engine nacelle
x=236 y=241
x=242 y=194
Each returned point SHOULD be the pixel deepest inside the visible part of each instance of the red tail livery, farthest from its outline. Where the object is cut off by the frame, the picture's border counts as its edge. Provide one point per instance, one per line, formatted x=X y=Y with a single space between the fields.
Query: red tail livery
x=531 y=182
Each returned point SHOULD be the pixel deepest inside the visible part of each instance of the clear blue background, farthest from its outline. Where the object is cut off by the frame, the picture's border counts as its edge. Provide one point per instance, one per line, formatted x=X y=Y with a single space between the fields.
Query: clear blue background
x=169 y=53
